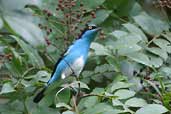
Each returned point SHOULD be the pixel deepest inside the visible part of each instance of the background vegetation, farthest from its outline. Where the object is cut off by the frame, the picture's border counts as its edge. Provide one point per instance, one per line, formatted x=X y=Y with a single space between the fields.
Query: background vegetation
x=129 y=65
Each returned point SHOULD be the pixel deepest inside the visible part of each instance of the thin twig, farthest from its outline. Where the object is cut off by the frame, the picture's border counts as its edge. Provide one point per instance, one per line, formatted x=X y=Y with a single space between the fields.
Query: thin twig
x=155 y=37
x=75 y=105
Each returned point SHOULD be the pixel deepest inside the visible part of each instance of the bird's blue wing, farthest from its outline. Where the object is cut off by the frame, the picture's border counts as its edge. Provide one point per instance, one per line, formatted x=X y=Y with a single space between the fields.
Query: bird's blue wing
x=66 y=52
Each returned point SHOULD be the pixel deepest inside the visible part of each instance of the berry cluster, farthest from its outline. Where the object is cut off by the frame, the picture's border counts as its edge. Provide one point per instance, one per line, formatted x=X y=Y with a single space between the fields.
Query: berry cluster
x=163 y=3
x=46 y=28
x=75 y=14
x=75 y=17
x=3 y=57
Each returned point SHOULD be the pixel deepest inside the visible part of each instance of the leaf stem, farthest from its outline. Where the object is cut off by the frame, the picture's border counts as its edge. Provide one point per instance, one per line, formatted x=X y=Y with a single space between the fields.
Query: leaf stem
x=75 y=105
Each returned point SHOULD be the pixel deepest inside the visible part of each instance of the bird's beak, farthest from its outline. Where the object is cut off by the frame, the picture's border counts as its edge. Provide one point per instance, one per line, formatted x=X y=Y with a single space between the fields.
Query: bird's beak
x=98 y=29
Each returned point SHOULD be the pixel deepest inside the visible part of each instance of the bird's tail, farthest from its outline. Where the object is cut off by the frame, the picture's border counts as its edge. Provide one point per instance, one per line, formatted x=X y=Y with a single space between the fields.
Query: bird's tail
x=39 y=96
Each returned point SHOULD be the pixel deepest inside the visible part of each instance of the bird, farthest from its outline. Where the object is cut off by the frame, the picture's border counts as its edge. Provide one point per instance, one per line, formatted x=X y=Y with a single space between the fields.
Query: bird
x=73 y=60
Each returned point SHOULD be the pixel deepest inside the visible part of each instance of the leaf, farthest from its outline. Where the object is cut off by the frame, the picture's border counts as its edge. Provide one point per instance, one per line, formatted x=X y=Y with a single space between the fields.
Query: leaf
x=7 y=88
x=1 y=23
x=16 y=67
x=127 y=44
x=119 y=34
x=11 y=112
x=101 y=15
x=91 y=4
x=99 y=49
x=98 y=109
x=43 y=110
x=34 y=57
x=59 y=105
x=90 y=101
x=152 y=109
x=155 y=61
x=134 y=29
x=158 y=52
x=163 y=44
x=124 y=94
x=82 y=85
x=29 y=32
x=103 y=68
x=35 y=8
x=19 y=4
x=120 y=85
x=63 y=96
x=42 y=76
x=135 y=102
x=116 y=102
x=128 y=49
x=68 y=112
x=167 y=36
x=140 y=58
x=153 y=26
x=166 y=71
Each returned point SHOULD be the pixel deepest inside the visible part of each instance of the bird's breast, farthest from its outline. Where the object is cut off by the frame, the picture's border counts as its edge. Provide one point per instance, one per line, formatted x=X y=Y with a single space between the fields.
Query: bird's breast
x=74 y=68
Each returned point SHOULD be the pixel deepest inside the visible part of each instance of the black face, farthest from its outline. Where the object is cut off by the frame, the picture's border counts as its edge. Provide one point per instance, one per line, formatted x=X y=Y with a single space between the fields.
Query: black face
x=91 y=27
x=88 y=27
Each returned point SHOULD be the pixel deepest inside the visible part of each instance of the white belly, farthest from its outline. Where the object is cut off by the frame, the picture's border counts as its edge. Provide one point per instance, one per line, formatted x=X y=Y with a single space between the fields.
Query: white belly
x=75 y=69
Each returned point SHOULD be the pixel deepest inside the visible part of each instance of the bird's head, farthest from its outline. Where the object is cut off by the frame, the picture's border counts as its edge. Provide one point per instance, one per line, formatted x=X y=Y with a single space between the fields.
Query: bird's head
x=90 y=32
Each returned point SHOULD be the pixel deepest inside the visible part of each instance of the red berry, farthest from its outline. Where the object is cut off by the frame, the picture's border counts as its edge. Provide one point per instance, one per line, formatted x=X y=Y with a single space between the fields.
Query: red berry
x=60 y=1
x=81 y=5
x=50 y=30
x=73 y=3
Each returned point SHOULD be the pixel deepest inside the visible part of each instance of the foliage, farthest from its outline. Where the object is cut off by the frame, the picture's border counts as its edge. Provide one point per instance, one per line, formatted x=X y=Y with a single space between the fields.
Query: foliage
x=128 y=70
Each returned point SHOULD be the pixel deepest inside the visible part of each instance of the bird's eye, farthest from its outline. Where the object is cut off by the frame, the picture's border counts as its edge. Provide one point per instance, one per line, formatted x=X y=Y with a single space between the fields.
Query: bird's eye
x=90 y=27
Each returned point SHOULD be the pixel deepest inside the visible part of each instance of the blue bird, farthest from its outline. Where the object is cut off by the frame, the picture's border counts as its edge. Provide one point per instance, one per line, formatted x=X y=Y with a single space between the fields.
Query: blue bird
x=73 y=61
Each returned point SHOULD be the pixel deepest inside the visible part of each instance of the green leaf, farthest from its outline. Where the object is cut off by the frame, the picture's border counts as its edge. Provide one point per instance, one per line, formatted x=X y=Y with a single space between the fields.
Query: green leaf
x=1 y=23
x=90 y=101
x=140 y=58
x=119 y=34
x=82 y=85
x=101 y=15
x=99 y=49
x=120 y=85
x=152 y=109
x=116 y=102
x=158 y=52
x=167 y=36
x=7 y=88
x=59 y=105
x=12 y=112
x=124 y=94
x=93 y=100
x=35 y=8
x=16 y=67
x=135 y=30
x=127 y=44
x=166 y=71
x=136 y=102
x=29 y=32
x=19 y=4
x=103 y=68
x=43 y=110
x=68 y=112
x=34 y=57
x=98 y=109
x=163 y=44
x=128 y=49
x=91 y=4
x=63 y=96
x=42 y=76
x=155 y=61
x=151 y=25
